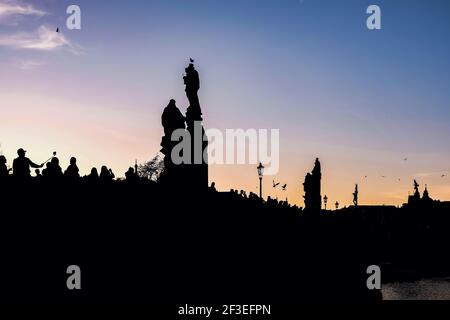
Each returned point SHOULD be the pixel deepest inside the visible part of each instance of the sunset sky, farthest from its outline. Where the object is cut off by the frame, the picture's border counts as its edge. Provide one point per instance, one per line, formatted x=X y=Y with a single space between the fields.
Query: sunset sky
x=362 y=101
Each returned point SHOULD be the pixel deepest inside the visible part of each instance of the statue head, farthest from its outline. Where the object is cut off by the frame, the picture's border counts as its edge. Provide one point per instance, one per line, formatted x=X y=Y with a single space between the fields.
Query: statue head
x=172 y=103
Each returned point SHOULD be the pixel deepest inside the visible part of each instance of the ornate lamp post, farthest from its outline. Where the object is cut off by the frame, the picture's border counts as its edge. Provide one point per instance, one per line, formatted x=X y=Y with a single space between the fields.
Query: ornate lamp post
x=325 y=201
x=260 y=175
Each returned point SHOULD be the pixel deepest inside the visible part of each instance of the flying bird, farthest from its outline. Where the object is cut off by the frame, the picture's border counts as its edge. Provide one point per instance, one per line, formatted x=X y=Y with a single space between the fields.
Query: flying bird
x=275 y=184
x=284 y=187
x=192 y=60
x=384 y=177
x=406 y=159
x=443 y=176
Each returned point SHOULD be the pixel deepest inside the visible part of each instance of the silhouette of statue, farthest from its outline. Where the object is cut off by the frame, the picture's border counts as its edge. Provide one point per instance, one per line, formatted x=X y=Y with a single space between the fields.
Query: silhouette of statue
x=415 y=198
x=172 y=120
x=192 y=82
x=38 y=174
x=197 y=172
x=416 y=189
x=72 y=172
x=355 y=196
x=192 y=176
x=21 y=165
x=312 y=187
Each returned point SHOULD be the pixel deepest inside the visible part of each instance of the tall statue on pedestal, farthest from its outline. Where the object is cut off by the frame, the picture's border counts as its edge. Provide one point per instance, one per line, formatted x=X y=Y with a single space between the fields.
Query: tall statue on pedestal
x=415 y=198
x=355 y=196
x=192 y=174
x=197 y=172
x=416 y=190
x=192 y=83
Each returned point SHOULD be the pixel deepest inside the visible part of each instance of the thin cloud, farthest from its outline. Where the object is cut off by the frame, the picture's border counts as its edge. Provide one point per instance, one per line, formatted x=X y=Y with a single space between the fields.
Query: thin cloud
x=27 y=65
x=45 y=39
x=11 y=8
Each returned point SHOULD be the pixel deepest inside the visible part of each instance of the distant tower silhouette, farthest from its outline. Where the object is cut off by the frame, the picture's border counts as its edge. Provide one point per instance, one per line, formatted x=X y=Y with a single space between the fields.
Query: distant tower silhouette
x=426 y=199
x=355 y=196
x=312 y=187
x=136 y=168
x=425 y=193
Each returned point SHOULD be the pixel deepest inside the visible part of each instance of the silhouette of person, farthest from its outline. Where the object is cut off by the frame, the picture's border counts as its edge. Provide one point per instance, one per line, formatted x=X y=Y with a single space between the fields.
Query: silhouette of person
x=72 y=171
x=38 y=174
x=4 y=171
x=21 y=165
x=131 y=176
x=55 y=170
x=93 y=177
x=45 y=172
x=106 y=175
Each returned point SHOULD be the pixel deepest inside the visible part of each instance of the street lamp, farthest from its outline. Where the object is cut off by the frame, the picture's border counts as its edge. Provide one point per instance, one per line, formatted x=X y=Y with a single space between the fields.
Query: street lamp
x=260 y=175
x=325 y=201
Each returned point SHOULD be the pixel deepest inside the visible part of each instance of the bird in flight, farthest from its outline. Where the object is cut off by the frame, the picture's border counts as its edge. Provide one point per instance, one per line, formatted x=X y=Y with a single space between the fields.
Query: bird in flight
x=384 y=177
x=406 y=159
x=443 y=176
x=284 y=187
x=275 y=184
x=192 y=60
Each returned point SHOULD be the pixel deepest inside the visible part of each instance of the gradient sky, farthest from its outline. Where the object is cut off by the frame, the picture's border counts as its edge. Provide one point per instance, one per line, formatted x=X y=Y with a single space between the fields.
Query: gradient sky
x=360 y=100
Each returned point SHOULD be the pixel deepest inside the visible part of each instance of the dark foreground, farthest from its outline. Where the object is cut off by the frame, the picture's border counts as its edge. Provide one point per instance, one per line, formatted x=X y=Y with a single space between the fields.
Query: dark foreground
x=135 y=244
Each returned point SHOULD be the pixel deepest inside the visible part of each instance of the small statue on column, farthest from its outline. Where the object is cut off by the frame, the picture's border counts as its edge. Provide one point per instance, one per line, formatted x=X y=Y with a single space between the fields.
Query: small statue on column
x=355 y=196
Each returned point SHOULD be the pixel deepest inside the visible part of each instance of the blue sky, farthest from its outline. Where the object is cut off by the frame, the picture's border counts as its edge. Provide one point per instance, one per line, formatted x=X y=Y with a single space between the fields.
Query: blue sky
x=361 y=100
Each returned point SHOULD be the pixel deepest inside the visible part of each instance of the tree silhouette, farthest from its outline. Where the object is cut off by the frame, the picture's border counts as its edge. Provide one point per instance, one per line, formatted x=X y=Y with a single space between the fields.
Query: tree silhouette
x=151 y=170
